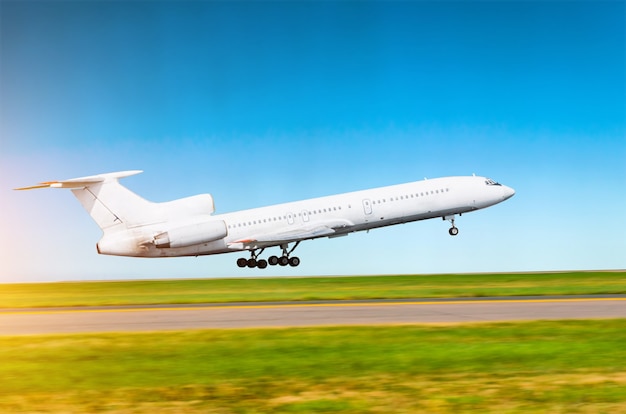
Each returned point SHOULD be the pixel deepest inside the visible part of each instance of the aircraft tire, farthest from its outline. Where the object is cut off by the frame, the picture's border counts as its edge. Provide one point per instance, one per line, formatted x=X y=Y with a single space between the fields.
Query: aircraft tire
x=453 y=231
x=241 y=262
x=251 y=263
x=294 y=261
x=283 y=260
x=261 y=264
x=273 y=260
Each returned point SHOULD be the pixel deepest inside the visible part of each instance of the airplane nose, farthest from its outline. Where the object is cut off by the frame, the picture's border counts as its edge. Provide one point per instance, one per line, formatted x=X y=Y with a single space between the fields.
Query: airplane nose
x=507 y=192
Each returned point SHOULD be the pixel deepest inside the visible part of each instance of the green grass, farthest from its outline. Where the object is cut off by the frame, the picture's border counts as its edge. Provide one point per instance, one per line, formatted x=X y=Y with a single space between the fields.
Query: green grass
x=309 y=288
x=552 y=366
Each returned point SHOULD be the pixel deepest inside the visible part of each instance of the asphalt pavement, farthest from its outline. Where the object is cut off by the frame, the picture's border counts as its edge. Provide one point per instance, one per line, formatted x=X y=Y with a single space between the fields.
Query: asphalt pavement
x=144 y=318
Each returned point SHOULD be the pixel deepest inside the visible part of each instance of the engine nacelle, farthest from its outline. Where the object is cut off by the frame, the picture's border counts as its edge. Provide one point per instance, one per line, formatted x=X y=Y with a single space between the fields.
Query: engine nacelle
x=191 y=234
x=122 y=243
x=187 y=207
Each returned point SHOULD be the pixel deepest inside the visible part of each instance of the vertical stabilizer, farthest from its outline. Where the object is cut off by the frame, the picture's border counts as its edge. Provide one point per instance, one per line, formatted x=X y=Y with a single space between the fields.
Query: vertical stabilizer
x=109 y=204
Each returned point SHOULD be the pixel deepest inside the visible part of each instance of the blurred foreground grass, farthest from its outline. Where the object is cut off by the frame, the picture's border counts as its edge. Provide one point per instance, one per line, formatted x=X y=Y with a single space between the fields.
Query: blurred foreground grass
x=548 y=366
x=309 y=288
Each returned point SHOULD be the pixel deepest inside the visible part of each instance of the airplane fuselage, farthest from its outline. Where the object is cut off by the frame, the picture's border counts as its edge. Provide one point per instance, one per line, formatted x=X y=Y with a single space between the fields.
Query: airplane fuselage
x=343 y=213
x=133 y=226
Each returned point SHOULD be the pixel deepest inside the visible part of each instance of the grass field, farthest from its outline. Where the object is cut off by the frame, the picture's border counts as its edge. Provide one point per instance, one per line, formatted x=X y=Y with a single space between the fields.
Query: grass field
x=309 y=288
x=557 y=367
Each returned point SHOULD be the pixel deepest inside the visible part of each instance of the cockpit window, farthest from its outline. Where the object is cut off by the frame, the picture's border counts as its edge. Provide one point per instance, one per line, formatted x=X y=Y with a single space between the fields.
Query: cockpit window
x=489 y=181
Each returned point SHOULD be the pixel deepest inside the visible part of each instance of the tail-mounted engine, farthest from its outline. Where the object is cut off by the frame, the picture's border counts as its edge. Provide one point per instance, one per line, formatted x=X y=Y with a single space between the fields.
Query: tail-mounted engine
x=191 y=234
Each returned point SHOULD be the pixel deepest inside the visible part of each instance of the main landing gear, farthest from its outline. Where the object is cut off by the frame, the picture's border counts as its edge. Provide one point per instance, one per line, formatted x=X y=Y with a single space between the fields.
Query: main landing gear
x=453 y=230
x=283 y=260
x=252 y=261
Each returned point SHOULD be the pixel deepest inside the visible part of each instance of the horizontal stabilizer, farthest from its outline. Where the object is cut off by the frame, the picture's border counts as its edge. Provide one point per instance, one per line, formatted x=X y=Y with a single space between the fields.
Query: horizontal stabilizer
x=82 y=182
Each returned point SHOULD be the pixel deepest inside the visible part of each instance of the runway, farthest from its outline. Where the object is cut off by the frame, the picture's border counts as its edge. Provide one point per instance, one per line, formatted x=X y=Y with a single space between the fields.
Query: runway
x=300 y=314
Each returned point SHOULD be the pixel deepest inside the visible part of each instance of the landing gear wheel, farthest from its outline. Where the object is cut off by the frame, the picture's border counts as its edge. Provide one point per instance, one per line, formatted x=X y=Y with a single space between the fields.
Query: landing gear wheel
x=453 y=230
x=283 y=261
x=251 y=263
x=261 y=264
x=294 y=261
x=241 y=262
x=273 y=260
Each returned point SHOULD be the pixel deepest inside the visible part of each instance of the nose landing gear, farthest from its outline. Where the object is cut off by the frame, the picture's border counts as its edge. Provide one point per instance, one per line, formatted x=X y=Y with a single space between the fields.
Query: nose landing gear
x=453 y=231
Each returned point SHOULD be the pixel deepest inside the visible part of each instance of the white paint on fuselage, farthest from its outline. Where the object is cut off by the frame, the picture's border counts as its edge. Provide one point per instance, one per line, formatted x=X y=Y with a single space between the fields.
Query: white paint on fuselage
x=350 y=212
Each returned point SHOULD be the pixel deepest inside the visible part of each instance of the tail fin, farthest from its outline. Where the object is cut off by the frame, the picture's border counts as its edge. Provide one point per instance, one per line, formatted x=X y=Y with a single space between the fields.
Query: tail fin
x=107 y=201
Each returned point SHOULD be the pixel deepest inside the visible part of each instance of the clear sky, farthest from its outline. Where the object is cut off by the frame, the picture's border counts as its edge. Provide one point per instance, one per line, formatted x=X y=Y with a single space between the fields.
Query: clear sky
x=266 y=102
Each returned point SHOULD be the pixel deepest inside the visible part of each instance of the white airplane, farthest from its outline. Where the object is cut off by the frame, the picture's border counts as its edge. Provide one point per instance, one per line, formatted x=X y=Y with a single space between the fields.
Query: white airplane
x=133 y=226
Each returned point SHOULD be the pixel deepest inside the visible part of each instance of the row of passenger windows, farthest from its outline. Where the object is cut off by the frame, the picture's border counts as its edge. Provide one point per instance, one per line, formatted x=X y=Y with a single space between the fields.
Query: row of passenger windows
x=331 y=209
x=415 y=195
x=285 y=217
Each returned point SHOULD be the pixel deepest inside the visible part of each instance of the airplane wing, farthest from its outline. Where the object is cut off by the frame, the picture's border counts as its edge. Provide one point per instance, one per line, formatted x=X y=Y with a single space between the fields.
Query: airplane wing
x=293 y=234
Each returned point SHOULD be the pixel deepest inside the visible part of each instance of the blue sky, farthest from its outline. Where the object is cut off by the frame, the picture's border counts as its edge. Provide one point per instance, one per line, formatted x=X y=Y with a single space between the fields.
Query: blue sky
x=267 y=102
